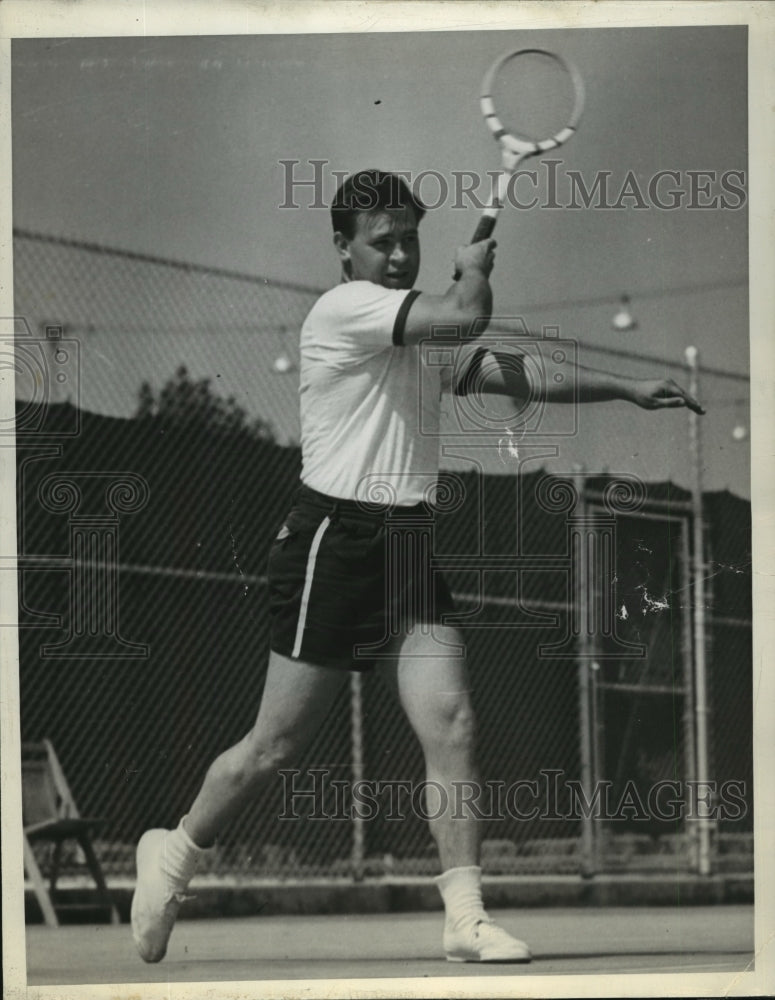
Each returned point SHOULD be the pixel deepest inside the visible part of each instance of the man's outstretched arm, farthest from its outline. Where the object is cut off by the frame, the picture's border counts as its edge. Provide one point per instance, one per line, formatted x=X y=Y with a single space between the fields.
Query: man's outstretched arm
x=505 y=374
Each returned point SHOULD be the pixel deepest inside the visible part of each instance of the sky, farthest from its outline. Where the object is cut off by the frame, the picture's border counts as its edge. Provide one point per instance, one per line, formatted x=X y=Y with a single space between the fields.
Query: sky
x=174 y=147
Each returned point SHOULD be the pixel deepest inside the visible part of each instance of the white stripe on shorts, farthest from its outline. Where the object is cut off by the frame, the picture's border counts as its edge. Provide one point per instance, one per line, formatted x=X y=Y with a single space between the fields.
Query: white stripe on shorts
x=313 y=553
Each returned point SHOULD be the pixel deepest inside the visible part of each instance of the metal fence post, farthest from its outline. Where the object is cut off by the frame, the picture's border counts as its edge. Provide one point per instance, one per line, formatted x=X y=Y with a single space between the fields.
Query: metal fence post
x=689 y=733
x=583 y=581
x=597 y=724
x=698 y=589
x=356 y=730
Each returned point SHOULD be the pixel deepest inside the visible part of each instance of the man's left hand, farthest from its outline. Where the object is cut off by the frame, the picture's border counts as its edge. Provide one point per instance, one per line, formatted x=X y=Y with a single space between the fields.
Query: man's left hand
x=656 y=394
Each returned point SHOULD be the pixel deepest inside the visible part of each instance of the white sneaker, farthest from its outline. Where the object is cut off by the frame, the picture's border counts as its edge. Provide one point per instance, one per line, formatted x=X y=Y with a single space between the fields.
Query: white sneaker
x=484 y=941
x=156 y=900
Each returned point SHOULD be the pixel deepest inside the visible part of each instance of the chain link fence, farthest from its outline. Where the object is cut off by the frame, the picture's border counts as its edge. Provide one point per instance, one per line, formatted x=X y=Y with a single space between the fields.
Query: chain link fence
x=151 y=484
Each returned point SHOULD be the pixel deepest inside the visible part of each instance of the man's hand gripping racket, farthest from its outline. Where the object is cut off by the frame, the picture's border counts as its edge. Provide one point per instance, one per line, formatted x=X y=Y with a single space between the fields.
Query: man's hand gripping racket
x=541 y=97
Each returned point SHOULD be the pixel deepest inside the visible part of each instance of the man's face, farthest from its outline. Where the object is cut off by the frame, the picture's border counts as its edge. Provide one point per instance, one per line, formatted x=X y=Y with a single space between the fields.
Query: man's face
x=385 y=248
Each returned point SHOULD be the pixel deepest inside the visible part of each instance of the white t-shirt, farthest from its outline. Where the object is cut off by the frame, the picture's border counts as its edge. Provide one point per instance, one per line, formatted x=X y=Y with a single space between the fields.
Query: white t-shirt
x=369 y=406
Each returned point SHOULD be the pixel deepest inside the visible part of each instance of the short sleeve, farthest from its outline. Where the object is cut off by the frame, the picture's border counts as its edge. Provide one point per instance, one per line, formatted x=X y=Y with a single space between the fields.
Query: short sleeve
x=362 y=315
x=467 y=371
x=459 y=365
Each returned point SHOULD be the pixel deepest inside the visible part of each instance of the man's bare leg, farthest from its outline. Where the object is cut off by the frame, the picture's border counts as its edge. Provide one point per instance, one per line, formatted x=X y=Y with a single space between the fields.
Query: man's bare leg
x=297 y=697
x=432 y=683
x=431 y=680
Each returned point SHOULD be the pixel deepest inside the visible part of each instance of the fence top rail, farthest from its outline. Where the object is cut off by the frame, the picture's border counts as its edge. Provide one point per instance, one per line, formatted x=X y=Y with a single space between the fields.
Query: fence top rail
x=676 y=509
x=146 y=258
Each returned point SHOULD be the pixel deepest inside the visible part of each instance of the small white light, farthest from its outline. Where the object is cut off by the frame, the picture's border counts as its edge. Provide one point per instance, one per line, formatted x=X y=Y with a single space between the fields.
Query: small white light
x=282 y=364
x=739 y=432
x=623 y=320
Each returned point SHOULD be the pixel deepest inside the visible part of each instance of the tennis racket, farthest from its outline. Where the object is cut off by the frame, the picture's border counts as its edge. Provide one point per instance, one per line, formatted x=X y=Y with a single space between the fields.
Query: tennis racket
x=532 y=102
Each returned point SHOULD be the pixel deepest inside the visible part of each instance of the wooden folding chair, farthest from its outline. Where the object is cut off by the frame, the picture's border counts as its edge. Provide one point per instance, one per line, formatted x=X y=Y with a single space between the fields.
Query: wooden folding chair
x=49 y=814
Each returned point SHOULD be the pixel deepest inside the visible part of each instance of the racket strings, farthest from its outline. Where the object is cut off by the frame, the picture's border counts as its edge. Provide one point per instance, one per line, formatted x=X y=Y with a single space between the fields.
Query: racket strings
x=534 y=96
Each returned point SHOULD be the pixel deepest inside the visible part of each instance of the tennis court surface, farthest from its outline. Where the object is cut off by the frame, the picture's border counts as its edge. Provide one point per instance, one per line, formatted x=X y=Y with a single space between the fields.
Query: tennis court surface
x=565 y=941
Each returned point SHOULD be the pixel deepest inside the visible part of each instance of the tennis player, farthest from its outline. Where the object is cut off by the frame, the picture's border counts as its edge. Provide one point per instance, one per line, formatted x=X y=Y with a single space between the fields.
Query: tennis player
x=337 y=602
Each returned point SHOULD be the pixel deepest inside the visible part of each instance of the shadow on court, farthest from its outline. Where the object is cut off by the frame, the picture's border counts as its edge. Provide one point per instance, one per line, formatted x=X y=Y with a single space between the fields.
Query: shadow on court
x=579 y=941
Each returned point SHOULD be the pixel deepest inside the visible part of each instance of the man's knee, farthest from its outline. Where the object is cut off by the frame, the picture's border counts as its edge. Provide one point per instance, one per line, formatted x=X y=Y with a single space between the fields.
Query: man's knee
x=267 y=754
x=462 y=723
x=452 y=725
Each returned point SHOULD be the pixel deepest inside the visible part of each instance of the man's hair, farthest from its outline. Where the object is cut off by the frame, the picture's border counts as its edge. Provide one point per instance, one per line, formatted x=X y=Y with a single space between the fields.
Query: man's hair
x=370 y=191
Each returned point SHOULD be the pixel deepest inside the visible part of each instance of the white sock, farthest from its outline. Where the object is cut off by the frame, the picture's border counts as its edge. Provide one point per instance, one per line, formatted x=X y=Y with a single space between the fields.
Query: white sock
x=181 y=855
x=461 y=890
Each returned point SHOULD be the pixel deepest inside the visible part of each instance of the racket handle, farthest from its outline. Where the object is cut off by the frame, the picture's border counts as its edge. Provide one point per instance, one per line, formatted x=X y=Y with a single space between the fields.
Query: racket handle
x=483 y=231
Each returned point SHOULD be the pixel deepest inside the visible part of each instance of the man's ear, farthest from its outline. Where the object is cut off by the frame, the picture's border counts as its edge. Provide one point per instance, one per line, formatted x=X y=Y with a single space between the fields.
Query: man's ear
x=342 y=245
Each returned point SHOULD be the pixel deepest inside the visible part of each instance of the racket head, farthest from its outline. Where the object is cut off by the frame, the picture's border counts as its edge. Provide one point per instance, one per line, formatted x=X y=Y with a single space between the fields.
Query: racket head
x=544 y=77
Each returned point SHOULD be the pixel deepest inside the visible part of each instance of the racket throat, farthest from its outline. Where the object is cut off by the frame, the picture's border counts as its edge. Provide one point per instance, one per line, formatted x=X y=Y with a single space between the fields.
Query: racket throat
x=501 y=187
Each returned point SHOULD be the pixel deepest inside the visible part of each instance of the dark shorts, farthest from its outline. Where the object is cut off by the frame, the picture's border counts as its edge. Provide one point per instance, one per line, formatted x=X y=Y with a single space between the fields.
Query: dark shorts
x=345 y=580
